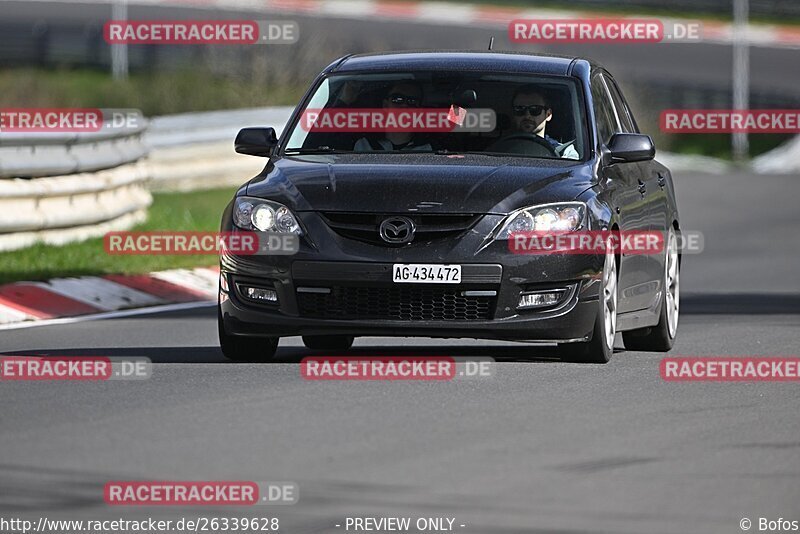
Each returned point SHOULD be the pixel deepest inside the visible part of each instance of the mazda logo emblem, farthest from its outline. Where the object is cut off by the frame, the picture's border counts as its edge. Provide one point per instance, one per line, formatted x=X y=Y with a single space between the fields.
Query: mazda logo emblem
x=397 y=230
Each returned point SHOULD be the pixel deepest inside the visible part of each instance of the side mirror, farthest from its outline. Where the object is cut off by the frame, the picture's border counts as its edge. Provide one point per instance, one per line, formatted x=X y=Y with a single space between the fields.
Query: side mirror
x=256 y=141
x=629 y=147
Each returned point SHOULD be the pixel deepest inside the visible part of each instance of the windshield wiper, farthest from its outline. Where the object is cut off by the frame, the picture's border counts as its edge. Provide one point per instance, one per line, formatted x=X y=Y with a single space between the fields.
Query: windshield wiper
x=445 y=152
x=318 y=150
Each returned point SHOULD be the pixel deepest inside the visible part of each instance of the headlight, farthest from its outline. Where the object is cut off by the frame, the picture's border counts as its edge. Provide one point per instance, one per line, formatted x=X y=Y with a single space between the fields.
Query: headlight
x=264 y=216
x=566 y=217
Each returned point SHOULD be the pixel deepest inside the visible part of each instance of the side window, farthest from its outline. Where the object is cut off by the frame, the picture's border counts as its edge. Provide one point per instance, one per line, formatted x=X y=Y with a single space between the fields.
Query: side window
x=623 y=111
x=318 y=101
x=603 y=110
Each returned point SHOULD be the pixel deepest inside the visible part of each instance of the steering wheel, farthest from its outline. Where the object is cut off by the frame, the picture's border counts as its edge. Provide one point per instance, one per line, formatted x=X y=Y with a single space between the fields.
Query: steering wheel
x=523 y=143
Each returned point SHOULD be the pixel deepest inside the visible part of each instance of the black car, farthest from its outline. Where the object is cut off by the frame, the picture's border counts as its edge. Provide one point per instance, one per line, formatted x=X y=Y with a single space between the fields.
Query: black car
x=407 y=233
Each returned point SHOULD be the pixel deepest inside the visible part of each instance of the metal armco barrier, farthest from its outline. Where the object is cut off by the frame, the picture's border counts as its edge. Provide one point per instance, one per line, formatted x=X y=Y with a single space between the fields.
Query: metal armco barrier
x=33 y=155
x=194 y=151
x=61 y=187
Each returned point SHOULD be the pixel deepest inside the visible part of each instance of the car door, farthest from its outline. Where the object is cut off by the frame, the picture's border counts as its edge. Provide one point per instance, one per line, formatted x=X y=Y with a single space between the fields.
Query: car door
x=627 y=194
x=653 y=174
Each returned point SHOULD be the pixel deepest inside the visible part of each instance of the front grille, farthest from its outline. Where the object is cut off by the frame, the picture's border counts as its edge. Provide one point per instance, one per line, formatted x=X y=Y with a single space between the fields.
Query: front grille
x=364 y=226
x=406 y=303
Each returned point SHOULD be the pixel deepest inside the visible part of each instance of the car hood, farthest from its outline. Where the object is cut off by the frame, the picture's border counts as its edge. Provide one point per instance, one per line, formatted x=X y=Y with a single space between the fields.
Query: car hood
x=429 y=183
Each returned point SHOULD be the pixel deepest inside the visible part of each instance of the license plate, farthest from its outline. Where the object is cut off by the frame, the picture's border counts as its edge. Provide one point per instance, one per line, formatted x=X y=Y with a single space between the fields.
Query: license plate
x=424 y=273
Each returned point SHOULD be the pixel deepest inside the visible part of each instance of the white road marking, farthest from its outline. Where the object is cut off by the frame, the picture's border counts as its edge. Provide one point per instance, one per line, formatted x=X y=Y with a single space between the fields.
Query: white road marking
x=10 y=315
x=109 y=315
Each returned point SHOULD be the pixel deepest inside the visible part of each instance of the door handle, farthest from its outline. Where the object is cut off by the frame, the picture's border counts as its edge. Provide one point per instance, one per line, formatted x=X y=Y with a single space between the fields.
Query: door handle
x=642 y=187
x=662 y=180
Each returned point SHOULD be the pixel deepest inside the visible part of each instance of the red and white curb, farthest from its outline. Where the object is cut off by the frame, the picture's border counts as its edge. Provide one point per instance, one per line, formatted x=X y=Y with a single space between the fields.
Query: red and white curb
x=23 y=303
x=467 y=15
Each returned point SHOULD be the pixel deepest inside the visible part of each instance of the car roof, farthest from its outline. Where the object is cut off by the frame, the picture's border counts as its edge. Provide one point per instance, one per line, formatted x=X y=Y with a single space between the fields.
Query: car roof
x=458 y=60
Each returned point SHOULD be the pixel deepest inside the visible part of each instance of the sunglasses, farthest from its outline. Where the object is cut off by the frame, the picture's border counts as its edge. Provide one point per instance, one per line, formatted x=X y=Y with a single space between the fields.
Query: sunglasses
x=533 y=110
x=398 y=99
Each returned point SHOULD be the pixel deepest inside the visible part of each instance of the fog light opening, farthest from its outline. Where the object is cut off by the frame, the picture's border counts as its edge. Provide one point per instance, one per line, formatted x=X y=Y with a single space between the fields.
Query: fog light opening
x=540 y=299
x=259 y=294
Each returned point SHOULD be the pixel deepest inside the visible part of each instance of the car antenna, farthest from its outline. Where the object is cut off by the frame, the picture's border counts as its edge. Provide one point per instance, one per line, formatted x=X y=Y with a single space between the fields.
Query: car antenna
x=491 y=43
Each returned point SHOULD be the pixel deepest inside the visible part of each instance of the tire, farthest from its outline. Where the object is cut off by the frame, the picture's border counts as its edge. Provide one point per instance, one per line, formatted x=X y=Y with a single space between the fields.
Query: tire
x=245 y=348
x=328 y=342
x=601 y=347
x=661 y=337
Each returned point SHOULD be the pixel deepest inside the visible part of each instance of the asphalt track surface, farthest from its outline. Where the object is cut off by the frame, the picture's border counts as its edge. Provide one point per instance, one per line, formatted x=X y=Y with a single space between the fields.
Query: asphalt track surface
x=542 y=446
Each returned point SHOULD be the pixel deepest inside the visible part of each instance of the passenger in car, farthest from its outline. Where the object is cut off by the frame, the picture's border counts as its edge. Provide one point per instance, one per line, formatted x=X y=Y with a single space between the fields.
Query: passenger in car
x=400 y=95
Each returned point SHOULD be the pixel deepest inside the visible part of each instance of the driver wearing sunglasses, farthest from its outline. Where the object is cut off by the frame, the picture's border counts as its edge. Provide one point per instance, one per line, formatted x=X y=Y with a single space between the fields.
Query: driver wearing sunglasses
x=400 y=95
x=531 y=115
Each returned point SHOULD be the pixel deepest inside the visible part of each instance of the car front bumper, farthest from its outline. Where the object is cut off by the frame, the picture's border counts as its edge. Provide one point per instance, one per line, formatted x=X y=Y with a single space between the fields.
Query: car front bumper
x=429 y=310
x=362 y=299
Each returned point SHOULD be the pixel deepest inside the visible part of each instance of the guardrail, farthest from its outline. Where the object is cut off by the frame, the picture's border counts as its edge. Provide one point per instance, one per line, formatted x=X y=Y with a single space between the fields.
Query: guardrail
x=34 y=155
x=195 y=150
x=61 y=187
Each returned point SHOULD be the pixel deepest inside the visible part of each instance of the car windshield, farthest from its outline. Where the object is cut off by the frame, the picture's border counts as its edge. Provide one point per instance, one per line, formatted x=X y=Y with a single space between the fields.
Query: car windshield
x=443 y=112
